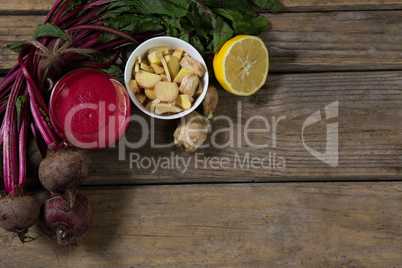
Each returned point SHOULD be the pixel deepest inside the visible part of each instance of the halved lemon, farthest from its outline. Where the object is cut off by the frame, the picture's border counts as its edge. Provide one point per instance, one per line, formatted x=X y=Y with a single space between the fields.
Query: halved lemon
x=241 y=65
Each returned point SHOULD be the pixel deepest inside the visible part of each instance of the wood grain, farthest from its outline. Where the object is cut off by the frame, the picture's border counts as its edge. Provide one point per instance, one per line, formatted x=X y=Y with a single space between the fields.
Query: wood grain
x=42 y=6
x=26 y=6
x=297 y=42
x=263 y=225
x=15 y=29
x=370 y=135
x=334 y=41
x=369 y=141
x=334 y=5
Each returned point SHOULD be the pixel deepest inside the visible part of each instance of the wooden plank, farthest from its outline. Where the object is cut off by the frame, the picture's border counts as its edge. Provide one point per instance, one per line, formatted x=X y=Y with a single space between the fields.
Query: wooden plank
x=329 y=41
x=26 y=6
x=257 y=225
x=42 y=6
x=297 y=42
x=369 y=135
x=339 y=5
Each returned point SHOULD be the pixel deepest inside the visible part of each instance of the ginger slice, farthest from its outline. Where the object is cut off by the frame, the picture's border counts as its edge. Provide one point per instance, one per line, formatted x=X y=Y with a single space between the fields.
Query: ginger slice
x=185 y=101
x=167 y=72
x=193 y=65
x=134 y=86
x=189 y=84
x=163 y=108
x=152 y=105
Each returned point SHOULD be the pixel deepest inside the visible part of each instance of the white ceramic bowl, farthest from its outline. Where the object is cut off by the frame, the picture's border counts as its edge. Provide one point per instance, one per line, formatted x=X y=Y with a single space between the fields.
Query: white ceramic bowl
x=173 y=43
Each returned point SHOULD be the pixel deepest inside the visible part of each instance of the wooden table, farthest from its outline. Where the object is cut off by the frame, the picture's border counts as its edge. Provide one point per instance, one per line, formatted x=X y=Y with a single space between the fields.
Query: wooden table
x=233 y=206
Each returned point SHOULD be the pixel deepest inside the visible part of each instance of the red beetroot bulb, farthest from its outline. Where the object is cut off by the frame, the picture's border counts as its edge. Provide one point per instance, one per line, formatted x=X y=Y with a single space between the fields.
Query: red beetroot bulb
x=62 y=170
x=67 y=223
x=18 y=213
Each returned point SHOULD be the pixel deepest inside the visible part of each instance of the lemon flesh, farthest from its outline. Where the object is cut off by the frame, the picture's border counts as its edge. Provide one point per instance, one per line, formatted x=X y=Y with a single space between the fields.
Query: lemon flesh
x=241 y=65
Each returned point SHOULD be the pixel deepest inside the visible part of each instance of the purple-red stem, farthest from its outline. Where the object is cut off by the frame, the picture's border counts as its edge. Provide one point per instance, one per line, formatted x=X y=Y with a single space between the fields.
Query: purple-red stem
x=22 y=144
x=5 y=92
x=60 y=11
x=40 y=122
x=10 y=165
x=37 y=104
x=80 y=8
x=2 y=133
x=104 y=29
x=83 y=37
x=10 y=77
x=36 y=93
x=91 y=15
x=52 y=10
x=3 y=107
x=14 y=151
x=42 y=146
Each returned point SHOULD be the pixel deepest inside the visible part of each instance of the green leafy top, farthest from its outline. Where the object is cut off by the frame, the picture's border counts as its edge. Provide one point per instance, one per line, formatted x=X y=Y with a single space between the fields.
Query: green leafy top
x=49 y=29
x=206 y=24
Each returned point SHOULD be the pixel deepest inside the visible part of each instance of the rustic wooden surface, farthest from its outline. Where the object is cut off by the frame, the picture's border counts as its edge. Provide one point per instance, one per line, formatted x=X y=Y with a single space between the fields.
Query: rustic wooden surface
x=335 y=5
x=303 y=214
x=370 y=149
x=242 y=225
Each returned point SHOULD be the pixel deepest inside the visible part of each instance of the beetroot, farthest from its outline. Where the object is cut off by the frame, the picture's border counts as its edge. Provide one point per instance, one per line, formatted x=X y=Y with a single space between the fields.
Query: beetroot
x=66 y=214
x=18 y=213
x=67 y=223
x=62 y=171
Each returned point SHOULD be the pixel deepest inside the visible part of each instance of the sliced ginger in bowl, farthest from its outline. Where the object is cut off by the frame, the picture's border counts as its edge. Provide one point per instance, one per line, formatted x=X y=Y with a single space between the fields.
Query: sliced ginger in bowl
x=166 y=81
